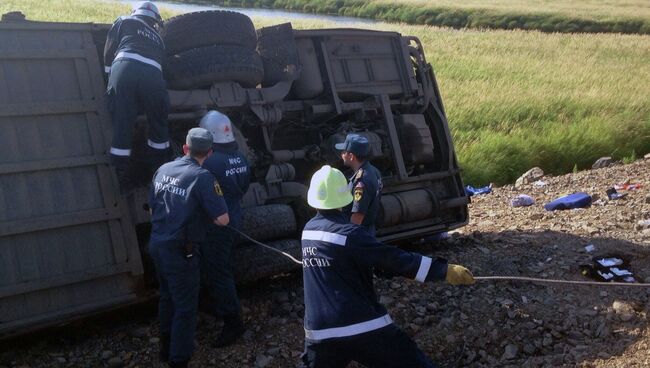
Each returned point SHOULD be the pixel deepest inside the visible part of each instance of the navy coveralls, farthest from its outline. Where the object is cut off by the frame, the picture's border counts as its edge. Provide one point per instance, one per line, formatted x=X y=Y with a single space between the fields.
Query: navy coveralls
x=343 y=320
x=133 y=54
x=183 y=200
x=366 y=186
x=230 y=167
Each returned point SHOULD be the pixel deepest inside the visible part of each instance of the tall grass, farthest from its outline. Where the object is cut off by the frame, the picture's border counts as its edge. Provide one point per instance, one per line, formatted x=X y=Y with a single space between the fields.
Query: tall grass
x=514 y=99
x=624 y=16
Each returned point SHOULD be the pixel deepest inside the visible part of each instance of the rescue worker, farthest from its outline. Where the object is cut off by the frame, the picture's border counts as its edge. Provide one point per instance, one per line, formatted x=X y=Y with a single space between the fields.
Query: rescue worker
x=184 y=199
x=230 y=167
x=365 y=184
x=344 y=322
x=133 y=57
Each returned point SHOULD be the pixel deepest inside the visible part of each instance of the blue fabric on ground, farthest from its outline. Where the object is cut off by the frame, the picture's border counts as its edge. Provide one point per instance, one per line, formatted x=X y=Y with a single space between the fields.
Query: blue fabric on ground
x=575 y=200
x=470 y=190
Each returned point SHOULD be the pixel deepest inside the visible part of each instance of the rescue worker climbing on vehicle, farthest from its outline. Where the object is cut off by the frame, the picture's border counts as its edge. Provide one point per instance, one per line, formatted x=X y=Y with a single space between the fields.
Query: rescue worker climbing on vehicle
x=365 y=183
x=344 y=321
x=184 y=199
x=133 y=57
x=230 y=167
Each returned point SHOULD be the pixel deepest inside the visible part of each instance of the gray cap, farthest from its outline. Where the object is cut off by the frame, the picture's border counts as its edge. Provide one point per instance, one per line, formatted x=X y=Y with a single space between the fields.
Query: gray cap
x=199 y=140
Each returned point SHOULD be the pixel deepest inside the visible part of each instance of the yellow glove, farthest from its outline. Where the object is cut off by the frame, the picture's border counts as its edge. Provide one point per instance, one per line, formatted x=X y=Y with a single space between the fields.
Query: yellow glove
x=459 y=275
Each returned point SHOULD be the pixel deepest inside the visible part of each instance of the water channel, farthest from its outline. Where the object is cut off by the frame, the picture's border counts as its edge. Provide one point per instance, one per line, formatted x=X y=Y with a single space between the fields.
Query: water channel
x=179 y=7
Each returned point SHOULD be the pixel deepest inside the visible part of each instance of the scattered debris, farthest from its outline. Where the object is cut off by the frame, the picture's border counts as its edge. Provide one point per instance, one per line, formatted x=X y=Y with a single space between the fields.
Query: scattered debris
x=539 y=184
x=522 y=200
x=612 y=194
x=571 y=201
x=470 y=190
x=627 y=186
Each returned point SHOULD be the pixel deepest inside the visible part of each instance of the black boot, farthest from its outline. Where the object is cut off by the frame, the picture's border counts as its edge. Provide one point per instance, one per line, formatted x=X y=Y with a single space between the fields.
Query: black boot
x=163 y=354
x=233 y=328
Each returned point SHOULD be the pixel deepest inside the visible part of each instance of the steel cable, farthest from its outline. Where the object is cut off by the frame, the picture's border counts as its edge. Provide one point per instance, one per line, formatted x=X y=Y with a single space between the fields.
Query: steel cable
x=267 y=246
x=553 y=281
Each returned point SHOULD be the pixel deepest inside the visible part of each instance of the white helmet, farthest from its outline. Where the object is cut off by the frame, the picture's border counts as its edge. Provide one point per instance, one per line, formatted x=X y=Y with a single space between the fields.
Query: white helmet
x=148 y=9
x=219 y=125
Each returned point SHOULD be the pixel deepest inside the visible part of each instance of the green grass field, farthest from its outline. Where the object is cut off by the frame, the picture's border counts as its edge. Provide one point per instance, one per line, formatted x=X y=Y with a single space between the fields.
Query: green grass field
x=622 y=16
x=514 y=99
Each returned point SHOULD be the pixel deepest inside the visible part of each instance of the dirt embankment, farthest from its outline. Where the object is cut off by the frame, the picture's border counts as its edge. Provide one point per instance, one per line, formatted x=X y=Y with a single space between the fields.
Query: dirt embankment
x=491 y=324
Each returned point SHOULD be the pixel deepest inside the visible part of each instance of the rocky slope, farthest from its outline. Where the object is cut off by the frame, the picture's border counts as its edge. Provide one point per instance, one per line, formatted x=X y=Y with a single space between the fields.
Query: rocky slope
x=490 y=324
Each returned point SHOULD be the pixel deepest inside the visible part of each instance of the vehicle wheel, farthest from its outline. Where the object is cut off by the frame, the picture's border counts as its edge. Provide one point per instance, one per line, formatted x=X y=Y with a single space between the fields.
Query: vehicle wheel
x=201 y=67
x=277 y=48
x=205 y=28
x=252 y=262
x=268 y=222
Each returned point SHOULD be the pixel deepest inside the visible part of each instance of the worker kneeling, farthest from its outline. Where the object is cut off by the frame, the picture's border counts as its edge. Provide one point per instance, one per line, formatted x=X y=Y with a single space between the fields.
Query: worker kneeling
x=344 y=322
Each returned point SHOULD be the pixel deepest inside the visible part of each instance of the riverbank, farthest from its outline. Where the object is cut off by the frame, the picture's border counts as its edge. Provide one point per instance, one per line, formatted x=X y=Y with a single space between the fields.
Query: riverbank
x=630 y=16
x=514 y=99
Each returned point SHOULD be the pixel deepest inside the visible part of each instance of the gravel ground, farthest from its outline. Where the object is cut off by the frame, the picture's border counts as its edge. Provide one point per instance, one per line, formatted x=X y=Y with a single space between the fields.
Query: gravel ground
x=490 y=324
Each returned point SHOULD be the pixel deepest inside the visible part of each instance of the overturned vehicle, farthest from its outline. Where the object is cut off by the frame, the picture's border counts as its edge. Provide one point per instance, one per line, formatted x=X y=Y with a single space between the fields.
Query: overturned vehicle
x=72 y=245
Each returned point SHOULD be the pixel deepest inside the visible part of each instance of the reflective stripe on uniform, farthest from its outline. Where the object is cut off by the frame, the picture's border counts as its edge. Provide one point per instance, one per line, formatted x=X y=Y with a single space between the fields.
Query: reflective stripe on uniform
x=132 y=56
x=155 y=145
x=351 y=330
x=325 y=236
x=120 y=152
x=423 y=271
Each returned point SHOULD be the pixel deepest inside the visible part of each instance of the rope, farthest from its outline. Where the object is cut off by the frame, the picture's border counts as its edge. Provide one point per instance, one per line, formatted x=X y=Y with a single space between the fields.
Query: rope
x=267 y=246
x=552 y=281
x=478 y=278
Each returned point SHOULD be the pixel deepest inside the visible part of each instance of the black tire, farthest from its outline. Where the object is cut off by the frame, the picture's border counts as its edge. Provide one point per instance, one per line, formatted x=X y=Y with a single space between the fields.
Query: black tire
x=277 y=48
x=201 y=67
x=253 y=262
x=205 y=28
x=268 y=222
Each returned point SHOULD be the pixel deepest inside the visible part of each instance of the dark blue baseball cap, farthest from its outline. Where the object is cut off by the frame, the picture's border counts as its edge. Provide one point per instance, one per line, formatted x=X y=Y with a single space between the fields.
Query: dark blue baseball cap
x=356 y=144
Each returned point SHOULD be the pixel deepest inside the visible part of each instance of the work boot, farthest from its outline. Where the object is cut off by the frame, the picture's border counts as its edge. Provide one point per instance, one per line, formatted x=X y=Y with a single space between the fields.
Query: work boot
x=233 y=327
x=182 y=364
x=163 y=354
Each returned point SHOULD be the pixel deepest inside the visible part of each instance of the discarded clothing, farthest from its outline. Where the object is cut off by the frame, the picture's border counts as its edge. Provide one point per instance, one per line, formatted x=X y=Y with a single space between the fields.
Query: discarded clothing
x=608 y=268
x=522 y=200
x=575 y=200
x=608 y=262
x=470 y=190
x=612 y=194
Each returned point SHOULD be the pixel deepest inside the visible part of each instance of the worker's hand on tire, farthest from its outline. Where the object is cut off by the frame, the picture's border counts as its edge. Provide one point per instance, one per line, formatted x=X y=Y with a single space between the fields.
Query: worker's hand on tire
x=459 y=275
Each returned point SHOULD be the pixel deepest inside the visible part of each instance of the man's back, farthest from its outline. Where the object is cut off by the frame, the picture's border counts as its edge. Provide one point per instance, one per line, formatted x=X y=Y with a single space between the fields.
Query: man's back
x=175 y=201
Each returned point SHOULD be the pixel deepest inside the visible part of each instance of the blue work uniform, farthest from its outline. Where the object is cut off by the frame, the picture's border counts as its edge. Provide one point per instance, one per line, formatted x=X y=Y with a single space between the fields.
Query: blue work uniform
x=231 y=169
x=366 y=186
x=184 y=199
x=343 y=320
x=133 y=55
